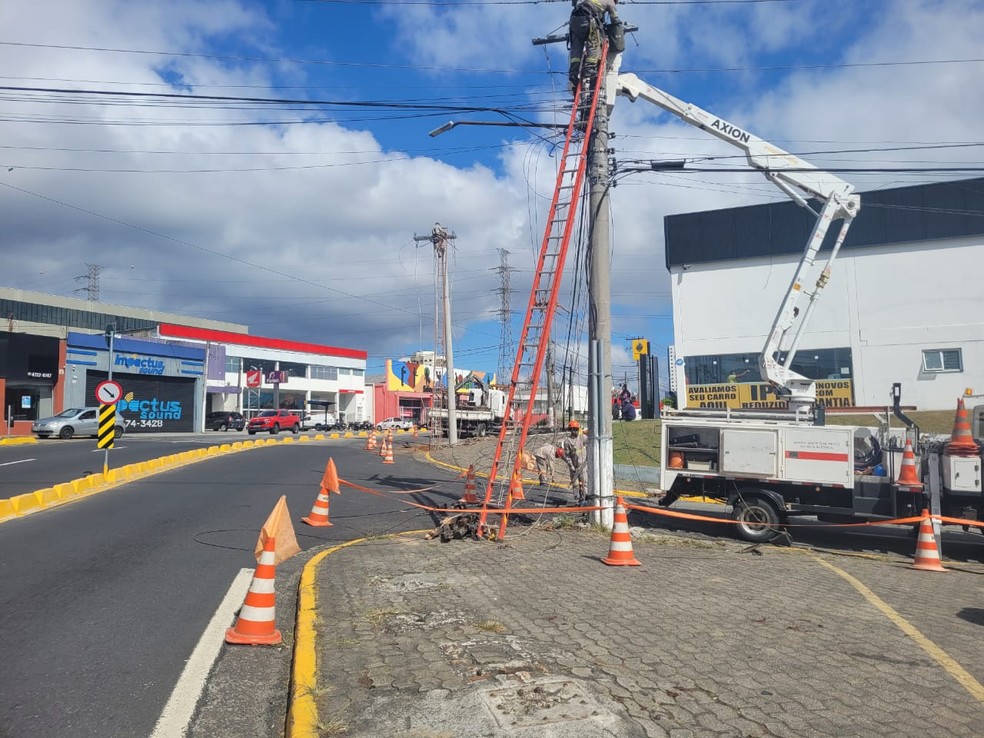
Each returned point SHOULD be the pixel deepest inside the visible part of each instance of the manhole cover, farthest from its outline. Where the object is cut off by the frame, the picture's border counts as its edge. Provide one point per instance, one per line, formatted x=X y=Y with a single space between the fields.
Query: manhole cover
x=540 y=703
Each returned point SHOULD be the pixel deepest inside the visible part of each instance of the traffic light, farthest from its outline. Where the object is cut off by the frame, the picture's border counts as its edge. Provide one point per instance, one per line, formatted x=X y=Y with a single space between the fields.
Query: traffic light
x=640 y=347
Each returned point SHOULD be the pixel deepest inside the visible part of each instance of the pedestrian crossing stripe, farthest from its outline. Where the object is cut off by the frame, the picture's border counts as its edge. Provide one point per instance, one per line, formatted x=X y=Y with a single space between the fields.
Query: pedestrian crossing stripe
x=107 y=426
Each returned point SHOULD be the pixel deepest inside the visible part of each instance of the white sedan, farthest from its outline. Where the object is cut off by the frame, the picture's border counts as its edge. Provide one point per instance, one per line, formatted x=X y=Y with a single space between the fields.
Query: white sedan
x=395 y=424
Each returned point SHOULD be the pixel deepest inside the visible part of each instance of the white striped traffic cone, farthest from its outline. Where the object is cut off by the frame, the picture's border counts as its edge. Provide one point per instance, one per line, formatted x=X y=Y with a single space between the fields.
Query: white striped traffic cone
x=319 y=511
x=927 y=556
x=388 y=449
x=620 y=549
x=257 y=622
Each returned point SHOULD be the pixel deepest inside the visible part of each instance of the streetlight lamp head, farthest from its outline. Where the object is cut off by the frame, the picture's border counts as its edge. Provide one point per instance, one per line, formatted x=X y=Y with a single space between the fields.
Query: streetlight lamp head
x=443 y=128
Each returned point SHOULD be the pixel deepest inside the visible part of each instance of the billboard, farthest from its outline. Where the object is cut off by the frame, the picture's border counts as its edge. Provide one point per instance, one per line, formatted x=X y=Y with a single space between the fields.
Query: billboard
x=762 y=396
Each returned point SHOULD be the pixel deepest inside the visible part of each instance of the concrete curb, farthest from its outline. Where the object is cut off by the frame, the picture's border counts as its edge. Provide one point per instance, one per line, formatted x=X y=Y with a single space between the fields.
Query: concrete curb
x=302 y=710
x=17 y=440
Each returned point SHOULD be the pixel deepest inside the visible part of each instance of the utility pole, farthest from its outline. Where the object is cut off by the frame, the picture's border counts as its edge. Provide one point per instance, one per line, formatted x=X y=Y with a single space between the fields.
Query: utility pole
x=601 y=450
x=442 y=238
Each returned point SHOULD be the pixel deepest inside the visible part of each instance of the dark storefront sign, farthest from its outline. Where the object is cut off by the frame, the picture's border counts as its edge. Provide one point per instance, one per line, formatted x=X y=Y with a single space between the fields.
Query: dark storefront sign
x=150 y=404
x=26 y=358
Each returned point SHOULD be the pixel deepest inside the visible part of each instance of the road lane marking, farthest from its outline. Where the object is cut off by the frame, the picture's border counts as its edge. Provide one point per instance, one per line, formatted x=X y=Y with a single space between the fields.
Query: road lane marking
x=19 y=461
x=181 y=706
x=949 y=664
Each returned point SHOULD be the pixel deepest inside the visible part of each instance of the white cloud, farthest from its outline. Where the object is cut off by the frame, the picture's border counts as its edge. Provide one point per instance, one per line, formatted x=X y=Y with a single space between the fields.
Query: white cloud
x=317 y=244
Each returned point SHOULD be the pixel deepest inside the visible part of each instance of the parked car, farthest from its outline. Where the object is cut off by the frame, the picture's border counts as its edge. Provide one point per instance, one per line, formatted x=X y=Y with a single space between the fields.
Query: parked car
x=274 y=421
x=395 y=424
x=223 y=420
x=76 y=421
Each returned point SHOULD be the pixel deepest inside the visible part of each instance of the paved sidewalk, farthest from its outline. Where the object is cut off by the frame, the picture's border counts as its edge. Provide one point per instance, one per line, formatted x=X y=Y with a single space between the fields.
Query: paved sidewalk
x=534 y=636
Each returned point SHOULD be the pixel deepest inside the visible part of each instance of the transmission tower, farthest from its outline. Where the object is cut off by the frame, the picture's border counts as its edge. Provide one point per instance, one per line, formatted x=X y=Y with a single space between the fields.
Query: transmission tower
x=506 y=350
x=91 y=288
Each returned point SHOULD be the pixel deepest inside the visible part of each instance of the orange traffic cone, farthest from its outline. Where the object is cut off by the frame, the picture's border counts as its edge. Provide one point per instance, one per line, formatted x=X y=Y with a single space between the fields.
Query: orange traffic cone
x=927 y=556
x=516 y=488
x=469 y=497
x=961 y=441
x=388 y=449
x=908 y=476
x=383 y=441
x=257 y=622
x=371 y=441
x=329 y=480
x=413 y=432
x=319 y=511
x=620 y=548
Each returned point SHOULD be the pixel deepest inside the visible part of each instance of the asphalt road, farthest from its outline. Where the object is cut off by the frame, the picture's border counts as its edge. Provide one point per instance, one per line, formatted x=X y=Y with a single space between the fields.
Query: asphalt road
x=25 y=468
x=103 y=599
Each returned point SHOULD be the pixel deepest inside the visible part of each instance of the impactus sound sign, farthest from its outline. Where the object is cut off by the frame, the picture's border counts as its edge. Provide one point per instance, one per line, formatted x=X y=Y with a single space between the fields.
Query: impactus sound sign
x=153 y=405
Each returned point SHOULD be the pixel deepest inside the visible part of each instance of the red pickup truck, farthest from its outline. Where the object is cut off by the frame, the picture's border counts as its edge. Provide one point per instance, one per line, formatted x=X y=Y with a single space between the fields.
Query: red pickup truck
x=274 y=421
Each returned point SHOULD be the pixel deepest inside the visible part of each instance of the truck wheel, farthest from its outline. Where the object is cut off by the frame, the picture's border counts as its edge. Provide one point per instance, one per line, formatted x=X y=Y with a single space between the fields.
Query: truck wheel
x=481 y=430
x=758 y=519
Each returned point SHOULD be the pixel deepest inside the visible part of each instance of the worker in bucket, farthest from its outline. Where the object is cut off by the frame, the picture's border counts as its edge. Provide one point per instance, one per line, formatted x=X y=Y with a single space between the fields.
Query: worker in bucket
x=575 y=455
x=587 y=25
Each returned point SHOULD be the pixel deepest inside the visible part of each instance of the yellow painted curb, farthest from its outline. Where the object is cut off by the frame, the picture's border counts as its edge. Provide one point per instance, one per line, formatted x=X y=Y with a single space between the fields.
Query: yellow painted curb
x=18 y=441
x=302 y=710
x=65 y=492
x=26 y=503
x=47 y=496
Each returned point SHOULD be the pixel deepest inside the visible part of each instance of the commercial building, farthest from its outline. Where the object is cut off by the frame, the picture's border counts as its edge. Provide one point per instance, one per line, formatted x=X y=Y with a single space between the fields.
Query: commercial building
x=904 y=303
x=174 y=369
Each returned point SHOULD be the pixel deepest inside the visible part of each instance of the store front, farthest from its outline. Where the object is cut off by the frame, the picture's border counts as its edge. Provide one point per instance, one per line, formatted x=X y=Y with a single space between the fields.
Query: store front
x=163 y=384
x=29 y=377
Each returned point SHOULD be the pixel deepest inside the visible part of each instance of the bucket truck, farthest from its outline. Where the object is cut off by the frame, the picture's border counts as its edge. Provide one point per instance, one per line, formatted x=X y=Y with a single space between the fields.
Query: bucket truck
x=769 y=466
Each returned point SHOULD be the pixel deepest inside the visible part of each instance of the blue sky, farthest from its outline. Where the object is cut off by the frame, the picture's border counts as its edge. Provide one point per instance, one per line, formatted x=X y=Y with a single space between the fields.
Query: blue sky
x=299 y=220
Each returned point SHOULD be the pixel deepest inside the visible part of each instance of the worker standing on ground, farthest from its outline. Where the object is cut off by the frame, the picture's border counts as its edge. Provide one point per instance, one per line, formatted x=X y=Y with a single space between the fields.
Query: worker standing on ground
x=575 y=455
x=544 y=456
x=585 y=36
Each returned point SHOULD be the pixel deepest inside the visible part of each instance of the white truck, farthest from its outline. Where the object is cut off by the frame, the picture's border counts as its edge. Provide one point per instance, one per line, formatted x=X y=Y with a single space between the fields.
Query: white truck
x=769 y=466
x=478 y=411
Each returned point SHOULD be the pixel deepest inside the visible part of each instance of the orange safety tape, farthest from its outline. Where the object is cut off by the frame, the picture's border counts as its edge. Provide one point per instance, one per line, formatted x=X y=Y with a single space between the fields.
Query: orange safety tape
x=393 y=492
x=894 y=521
x=493 y=511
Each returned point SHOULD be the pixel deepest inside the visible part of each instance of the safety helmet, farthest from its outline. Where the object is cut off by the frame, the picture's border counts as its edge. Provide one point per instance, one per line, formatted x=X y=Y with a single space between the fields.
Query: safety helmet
x=573 y=424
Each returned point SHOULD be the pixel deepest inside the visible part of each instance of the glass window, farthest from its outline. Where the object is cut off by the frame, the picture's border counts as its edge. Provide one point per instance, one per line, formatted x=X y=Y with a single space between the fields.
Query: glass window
x=942 y=360
x=324 y=372
x=832 y=363
x=232 y=364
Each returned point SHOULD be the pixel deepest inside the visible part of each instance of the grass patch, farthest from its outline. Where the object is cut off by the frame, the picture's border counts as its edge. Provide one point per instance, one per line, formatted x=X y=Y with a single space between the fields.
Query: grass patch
x=380 y=616
x=332 y=727
x=636 y=442
x=929 y=421
x=491 y=626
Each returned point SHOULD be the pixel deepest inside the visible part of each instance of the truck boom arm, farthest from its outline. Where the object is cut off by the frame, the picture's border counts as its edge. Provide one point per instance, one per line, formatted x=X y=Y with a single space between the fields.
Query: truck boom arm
x=800 y=180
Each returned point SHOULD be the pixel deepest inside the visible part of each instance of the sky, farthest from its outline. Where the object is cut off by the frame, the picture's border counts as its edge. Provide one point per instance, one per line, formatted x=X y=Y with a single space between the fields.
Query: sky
x=268 y=163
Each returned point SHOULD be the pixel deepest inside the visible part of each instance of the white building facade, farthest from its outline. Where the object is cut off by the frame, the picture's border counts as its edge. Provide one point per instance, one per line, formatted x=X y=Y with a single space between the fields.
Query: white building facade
x=904 y=302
